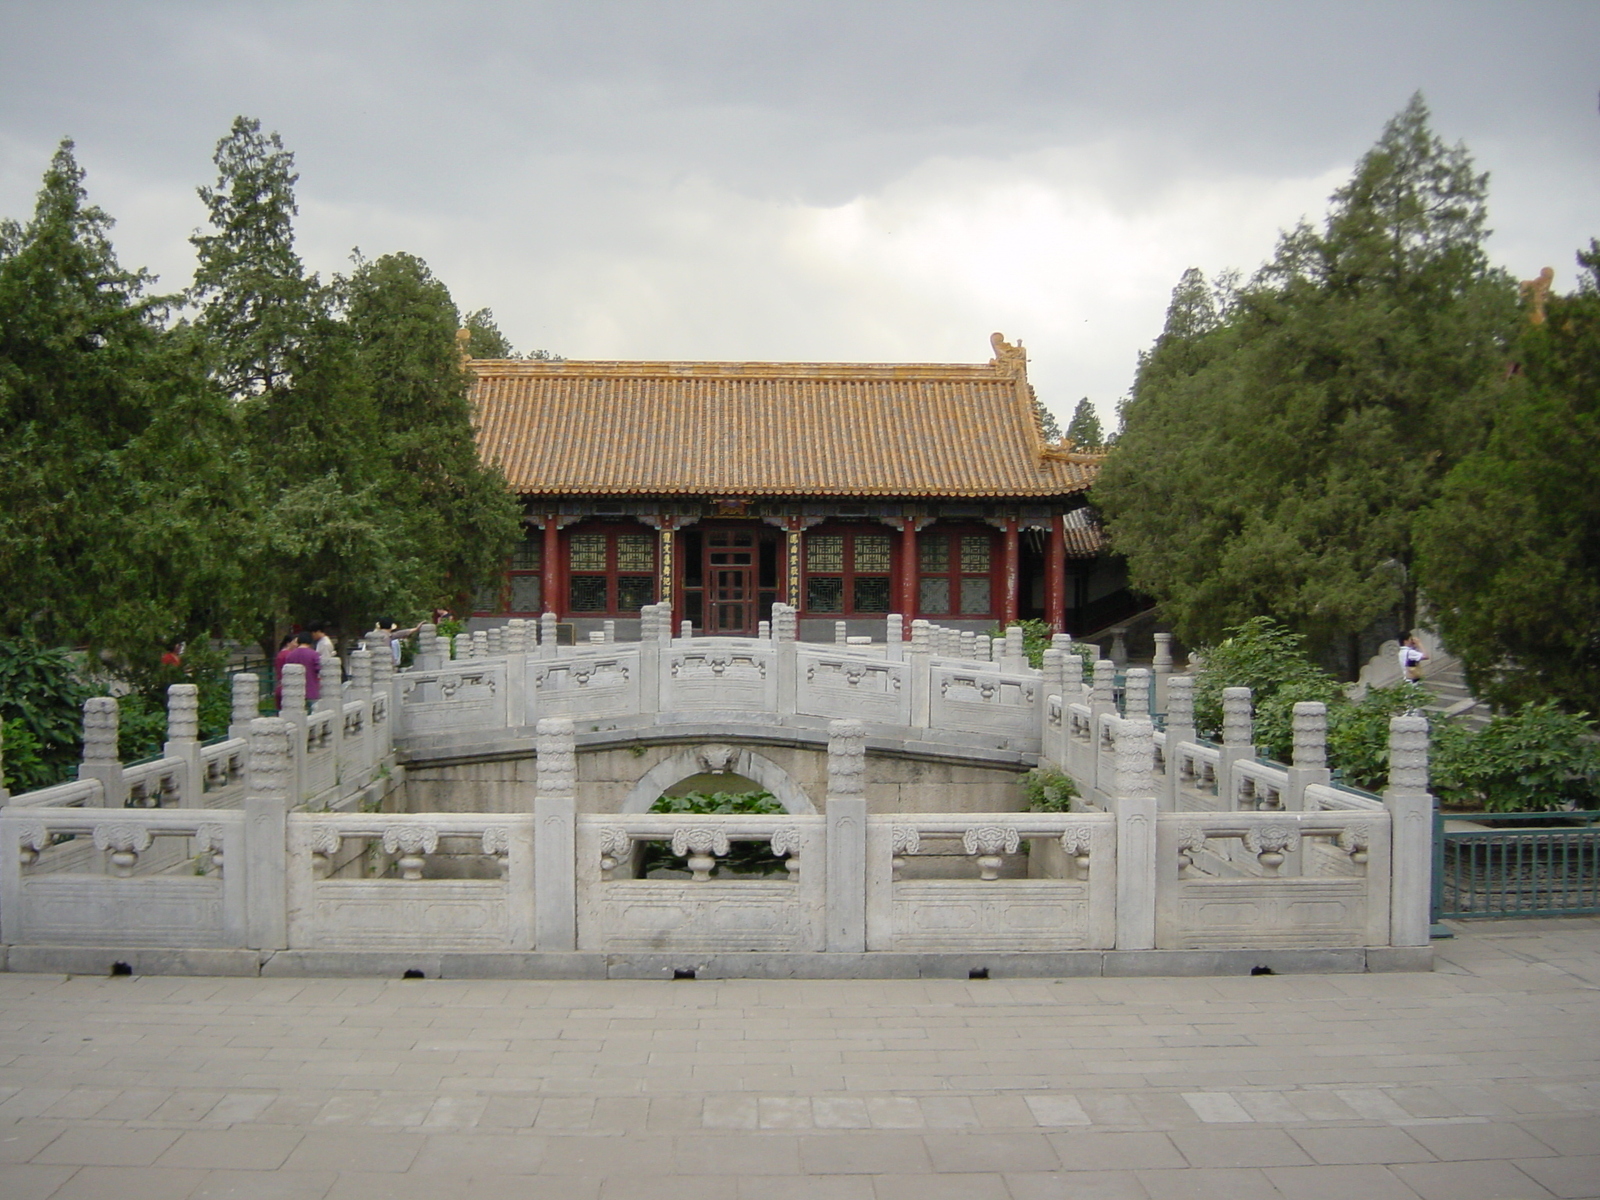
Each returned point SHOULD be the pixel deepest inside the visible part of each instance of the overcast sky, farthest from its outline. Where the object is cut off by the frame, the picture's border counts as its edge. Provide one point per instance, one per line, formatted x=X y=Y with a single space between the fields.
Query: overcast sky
x=842 y=180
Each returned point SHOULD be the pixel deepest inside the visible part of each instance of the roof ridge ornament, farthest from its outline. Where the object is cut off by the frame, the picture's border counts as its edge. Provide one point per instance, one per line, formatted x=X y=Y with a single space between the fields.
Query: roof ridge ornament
x=1008 y=359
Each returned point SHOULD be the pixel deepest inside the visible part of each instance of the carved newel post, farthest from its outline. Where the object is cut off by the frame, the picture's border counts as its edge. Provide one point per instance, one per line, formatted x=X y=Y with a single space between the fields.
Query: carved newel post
x=430 y=657
x=462 y=644
x=246 y=703
x=100 y=761
x=554 y=835
x=268 y=797
x=1161 y=669
x=1102 y=697
x=548 y=634
x=1411 y=813
x=1237 y=730
x=1180 y=729
x=846 y=813
x=1310 y=760
x=1136 y=693
x=183 y=739
x=1135 y=802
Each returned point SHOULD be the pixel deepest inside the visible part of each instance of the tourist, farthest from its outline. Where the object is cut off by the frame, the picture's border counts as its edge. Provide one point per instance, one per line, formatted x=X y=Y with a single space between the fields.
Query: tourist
x=324 y=643
x=303 y=650
x=1412 y=657
x=386 y=625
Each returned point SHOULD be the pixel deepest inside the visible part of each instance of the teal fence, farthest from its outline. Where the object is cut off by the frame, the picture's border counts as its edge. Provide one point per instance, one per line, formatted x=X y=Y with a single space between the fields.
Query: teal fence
x=1516 y=865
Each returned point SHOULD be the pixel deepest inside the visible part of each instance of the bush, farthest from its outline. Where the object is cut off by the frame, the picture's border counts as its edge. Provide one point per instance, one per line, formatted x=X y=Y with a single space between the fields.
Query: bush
x=1271 y=661
x=41 y=703
x=1536 y=758
x=1048 y=790
x=1358 y=734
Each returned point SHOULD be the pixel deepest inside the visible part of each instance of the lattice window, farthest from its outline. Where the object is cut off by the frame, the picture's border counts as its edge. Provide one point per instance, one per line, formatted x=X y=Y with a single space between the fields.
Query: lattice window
x=954 y=568
x=848 y=572
x=588 y=552
x=587 y=594
x=527 y=592
x=636 y=552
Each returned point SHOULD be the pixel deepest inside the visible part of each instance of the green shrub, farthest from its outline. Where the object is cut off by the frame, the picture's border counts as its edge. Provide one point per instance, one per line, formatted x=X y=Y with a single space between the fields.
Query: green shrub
x=1048 y=790
x=41 y=703
x=1269 y=659
x=1534 y=759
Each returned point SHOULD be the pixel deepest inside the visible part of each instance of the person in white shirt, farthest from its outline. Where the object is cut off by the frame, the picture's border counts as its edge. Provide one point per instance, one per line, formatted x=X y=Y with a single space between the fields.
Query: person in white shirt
x=1411 y=659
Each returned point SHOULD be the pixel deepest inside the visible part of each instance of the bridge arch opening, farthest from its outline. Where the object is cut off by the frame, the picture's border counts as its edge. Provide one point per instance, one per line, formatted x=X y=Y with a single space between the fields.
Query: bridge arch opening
x=716 y=760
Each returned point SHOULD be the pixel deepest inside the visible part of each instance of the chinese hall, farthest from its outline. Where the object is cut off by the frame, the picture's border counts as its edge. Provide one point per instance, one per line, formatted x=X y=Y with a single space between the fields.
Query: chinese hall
x=846 y=490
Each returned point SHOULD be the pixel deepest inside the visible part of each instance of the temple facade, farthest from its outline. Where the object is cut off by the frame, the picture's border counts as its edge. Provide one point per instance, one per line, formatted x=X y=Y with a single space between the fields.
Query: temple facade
x=846 y=490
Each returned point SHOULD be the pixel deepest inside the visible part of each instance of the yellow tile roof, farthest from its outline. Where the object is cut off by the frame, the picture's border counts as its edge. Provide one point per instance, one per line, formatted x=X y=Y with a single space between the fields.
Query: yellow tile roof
x=770 y=429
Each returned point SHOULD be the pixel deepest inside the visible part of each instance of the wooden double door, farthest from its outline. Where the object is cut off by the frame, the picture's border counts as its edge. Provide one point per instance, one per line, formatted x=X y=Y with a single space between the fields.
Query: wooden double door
x=730 y=577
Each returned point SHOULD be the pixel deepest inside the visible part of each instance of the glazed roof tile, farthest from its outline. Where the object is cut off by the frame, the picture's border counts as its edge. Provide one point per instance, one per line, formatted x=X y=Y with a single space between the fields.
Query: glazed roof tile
x=770 y=429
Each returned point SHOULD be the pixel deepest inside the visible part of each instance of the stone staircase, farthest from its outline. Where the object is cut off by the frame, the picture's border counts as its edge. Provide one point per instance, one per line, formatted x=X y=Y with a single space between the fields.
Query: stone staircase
x=1444 y=679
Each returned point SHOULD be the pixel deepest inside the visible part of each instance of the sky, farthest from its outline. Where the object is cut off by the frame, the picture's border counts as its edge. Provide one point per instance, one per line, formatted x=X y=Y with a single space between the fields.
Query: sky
x=838 y=180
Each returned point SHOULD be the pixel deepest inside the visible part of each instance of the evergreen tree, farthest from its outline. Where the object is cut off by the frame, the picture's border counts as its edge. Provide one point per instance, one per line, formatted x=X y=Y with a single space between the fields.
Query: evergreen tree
x=1084 y=428
x=1509 y=554
x=115 y=478
x=1275 y=454
x=485 y=339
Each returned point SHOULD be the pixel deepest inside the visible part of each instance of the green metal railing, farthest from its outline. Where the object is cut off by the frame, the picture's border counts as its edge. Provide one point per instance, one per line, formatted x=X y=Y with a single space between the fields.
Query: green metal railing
x=1522 y=865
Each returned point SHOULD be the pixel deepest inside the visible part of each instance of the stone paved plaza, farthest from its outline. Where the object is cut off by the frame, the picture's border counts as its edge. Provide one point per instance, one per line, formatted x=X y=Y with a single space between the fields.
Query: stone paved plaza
x=1479 y=1080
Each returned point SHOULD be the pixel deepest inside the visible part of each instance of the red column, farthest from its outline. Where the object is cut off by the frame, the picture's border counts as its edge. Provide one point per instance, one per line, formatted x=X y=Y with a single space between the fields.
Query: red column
x=550 y=583
x=1011 y=582
x=1055 y=576
x=908 y=572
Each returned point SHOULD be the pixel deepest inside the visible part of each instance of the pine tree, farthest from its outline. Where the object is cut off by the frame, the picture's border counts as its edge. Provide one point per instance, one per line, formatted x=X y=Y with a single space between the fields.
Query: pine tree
x=114 y=471
x=1084 y=428
x=1509 y=553
x=1274 y=455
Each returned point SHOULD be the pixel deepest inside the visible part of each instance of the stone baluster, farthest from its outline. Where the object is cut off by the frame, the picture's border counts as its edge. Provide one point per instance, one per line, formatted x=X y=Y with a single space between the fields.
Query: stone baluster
x=494 y=642
x=1310 y=759
x=921 y=642
x=846 y=813
x=183 y=740
x=516 y=642
x=549 y=636
x=554 y=838
x=430 y=655
x=1135 y=806
x=894 y=634
x=997 y=650
x=294 y=692
x=969 y=644
x=841 y=635
x=269 y=794
x=246 y=703
x=382 y=662
x=1161 y=669
x=1071 y=676
x=463 y=646
x=609 y=630
x=1102 y=696
x=480 y=643
x=361 y=673
x=1411 y=822
x=330 y=683
x=1136 y=693
x=1016 y=657
x=1237 y=730
x=686 y=630
x=1180 y=729
x=764 y=631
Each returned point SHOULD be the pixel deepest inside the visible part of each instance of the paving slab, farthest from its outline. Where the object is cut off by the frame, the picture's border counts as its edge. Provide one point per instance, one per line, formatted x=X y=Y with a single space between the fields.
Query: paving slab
x=1481 y=1078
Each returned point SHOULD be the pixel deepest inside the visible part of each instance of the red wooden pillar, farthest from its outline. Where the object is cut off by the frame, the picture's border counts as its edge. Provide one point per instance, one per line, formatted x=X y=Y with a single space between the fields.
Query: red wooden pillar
x=909 y=563
x=1055 y=576
x=550 y=584
x=1009 y=567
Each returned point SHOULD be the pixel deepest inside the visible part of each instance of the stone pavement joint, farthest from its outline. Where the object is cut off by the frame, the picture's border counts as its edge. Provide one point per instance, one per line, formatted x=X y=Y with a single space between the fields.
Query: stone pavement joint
x=1477 y=1080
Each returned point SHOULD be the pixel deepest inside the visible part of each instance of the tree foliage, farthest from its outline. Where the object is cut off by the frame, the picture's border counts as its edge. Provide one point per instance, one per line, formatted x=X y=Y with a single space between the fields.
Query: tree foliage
x=1509 y=553
x=1282 y=435
x=116 y=468
x=293 y=451
x=1084 y=428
